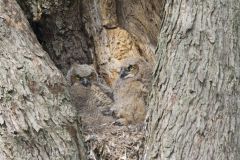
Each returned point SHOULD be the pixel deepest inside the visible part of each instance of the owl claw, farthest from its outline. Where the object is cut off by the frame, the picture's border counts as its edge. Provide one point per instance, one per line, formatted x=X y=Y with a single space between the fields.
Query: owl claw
x=107 y=112
x=120 y=122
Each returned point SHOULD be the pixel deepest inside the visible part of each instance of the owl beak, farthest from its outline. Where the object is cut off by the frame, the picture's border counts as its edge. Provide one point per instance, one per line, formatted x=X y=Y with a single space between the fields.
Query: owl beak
x=85 y=82
x=123 y=73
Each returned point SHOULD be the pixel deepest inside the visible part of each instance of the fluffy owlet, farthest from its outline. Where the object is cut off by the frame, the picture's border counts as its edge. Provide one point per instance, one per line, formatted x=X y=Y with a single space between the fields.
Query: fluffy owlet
x=131 y=90
x=89 y=95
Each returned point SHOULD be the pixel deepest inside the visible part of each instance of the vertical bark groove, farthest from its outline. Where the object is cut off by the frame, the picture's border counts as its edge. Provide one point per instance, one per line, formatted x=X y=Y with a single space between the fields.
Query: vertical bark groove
x=194 y=103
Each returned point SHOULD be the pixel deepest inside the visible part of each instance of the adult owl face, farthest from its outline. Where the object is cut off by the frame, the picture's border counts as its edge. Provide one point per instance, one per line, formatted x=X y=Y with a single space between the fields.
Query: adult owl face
x=129 y=71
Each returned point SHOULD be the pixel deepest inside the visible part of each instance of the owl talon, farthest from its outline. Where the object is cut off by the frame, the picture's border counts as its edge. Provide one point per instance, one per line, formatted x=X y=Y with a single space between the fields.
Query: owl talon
x=120 y=122
x=107 y=112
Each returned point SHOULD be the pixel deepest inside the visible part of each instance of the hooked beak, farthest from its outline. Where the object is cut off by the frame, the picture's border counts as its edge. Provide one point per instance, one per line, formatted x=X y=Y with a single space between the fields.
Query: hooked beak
x=85 y=82
x=123 y=73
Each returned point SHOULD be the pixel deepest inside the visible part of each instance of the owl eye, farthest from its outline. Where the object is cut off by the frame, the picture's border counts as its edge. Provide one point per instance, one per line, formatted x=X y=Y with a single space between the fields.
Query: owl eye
x=78 y=77
x=130 y=67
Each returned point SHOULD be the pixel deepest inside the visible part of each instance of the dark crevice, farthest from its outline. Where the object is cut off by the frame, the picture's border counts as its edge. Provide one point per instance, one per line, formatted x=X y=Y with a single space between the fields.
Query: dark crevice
x=62 y=34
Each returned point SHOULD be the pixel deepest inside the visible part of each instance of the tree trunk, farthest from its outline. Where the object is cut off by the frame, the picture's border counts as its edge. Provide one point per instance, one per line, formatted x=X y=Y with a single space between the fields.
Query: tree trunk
x=195 y=99
x=37 y=120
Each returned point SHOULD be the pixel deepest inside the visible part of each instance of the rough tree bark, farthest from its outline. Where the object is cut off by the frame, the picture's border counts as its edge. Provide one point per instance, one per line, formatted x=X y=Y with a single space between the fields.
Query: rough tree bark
x=195 y=99
x=37 y=120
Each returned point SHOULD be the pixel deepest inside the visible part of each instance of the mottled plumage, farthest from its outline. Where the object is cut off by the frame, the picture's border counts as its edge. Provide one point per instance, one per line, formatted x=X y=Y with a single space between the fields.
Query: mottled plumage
x=89 y=96
x=131 y=90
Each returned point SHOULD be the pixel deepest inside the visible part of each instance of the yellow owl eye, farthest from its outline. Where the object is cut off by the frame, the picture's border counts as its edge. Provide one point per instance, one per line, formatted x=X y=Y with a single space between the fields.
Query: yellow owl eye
x=77 y=77
x=130 y=67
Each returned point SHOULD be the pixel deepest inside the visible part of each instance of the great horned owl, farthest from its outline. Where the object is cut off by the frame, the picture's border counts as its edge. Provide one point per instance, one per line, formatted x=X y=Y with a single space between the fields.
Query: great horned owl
x=89 y=95
x=131 y=90
x=81 y=73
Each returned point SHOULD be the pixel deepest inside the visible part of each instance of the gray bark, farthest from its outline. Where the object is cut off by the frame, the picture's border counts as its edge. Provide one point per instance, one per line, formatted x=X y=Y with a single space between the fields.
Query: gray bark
x=195 y=99
x=37 y=120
